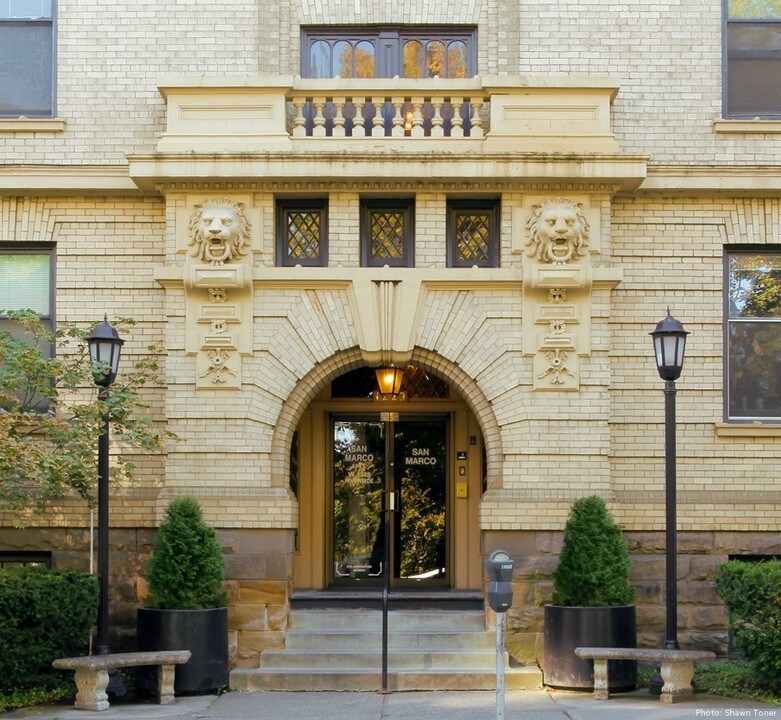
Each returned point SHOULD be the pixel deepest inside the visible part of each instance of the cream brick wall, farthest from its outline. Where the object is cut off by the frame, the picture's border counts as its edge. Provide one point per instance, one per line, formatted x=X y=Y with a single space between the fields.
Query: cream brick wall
x=606 y=438
x=543 y=449
x=667 y=56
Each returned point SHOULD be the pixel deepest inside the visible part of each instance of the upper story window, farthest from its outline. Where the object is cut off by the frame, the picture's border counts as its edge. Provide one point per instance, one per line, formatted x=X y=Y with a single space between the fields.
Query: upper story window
x=386 y=233
x=473 y=233
x=302 y=232
x=27 y=58
x=414 y=52
x=752 y=58
x=753 y=333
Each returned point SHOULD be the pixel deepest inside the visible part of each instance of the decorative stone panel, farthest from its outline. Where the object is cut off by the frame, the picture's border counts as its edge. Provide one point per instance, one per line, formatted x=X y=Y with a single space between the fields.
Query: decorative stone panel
x=217 y=237
x=557 y=236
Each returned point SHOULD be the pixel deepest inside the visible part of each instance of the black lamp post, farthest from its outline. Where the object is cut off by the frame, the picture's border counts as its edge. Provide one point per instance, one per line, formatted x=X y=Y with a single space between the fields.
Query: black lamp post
x=105 y=347
x=669 y=347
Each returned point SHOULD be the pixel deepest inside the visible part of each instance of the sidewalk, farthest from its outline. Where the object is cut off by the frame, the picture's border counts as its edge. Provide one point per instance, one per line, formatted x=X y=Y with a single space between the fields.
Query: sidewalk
x=519 y=705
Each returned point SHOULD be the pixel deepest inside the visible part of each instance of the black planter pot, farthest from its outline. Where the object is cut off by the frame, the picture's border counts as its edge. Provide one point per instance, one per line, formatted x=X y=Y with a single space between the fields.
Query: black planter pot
x=567 y=628
x=203 y=632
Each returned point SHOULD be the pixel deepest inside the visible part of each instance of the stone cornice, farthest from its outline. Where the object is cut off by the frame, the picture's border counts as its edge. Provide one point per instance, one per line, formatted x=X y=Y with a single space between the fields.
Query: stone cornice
x=710 y=179
x=66 y=179
x=340 y=278
x=554 y=172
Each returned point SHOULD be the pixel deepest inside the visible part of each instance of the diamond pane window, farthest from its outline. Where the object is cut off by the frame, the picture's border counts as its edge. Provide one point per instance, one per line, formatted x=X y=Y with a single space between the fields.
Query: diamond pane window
x=473 y=237
x=386 y=233
x=302 y=232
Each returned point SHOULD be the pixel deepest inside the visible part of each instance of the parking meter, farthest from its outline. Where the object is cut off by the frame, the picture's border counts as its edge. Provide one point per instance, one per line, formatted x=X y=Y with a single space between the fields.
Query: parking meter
x=499 y=568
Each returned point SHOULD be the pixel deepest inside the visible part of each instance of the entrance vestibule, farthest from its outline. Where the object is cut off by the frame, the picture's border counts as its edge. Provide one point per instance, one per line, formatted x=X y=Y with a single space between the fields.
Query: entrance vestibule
x=356 y=452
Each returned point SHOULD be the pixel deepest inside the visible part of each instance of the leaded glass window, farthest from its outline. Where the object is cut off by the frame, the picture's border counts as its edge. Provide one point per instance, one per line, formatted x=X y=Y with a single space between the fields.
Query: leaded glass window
x=753 y=323
x=386 y=233
x=302 y=232
x=752 y=58
x=27 y=58
x=371 y=52
x=473 y=233
x=362 y=383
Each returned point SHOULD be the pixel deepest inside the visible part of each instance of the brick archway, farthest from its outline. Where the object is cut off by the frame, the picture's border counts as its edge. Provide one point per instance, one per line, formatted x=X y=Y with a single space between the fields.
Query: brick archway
x=311 y=384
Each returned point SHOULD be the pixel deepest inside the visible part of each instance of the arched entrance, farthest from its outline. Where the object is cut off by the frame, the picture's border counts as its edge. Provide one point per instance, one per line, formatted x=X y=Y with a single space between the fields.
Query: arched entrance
x=356 y=450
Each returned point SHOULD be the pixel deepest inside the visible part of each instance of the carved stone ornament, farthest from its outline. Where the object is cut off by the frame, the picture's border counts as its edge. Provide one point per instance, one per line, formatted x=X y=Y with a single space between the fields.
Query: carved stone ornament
x=557 y=231
x=217 y=371
x=557 y=370
x=219 y=231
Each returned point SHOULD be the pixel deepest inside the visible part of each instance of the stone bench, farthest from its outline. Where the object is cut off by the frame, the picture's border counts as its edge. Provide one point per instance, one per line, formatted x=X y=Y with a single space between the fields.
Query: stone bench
x=92 y=674
x=677 y=667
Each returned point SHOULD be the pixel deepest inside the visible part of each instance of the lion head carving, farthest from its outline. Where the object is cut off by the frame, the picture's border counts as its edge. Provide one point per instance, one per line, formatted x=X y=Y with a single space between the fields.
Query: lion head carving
x=219 y=230
x=557 y=231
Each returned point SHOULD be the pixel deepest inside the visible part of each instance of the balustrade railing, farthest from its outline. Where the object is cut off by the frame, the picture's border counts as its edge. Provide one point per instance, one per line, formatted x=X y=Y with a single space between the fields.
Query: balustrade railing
x=390 y=115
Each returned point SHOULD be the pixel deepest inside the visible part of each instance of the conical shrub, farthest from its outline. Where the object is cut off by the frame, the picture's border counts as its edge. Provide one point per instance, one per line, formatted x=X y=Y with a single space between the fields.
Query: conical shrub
x=187 y=569
x=594 y=564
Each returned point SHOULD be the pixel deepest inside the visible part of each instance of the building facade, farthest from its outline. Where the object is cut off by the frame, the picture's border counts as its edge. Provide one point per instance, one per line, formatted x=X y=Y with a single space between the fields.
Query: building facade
x=501 y=199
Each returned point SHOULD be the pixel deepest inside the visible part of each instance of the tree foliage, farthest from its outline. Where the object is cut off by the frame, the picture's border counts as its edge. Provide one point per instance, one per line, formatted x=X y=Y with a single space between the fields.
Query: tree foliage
x=752 y=9
x=51 y=416
x=594 y=564
x=187 y=568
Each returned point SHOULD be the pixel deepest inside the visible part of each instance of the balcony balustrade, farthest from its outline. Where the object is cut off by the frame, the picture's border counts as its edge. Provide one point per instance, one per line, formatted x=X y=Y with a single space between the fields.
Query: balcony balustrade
x=480 y=113
x=310 y=131
x=437 y=112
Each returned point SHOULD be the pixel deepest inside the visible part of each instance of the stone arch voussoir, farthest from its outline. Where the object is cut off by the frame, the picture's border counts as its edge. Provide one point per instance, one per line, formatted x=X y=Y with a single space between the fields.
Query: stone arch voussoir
x=313 y=382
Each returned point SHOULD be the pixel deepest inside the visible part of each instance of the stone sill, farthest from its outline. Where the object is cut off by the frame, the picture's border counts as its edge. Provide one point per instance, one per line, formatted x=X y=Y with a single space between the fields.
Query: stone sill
x=754 y=429
x=747 y=126
x=30 y=125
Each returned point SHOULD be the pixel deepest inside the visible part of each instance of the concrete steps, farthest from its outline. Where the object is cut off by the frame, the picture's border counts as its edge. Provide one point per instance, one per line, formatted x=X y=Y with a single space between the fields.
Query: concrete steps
x=341 y=649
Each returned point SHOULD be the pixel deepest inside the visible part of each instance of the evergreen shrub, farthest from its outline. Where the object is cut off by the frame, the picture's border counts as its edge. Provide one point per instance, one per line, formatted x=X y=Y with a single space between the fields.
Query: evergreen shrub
x=752 y=593
x=187 y=568
x=594 y=564
x=44 y=615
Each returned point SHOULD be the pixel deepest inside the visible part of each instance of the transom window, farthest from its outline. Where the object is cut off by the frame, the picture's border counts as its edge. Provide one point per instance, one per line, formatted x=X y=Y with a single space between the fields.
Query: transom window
x=302 y=232
x=386 y=233
x=753 y=333
x=752 y=58
x=27 y=58
x=419 y=52
x=473 y=233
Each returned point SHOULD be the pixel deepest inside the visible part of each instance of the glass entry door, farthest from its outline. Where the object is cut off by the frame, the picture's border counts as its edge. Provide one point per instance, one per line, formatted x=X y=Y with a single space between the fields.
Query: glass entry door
x=401 y=463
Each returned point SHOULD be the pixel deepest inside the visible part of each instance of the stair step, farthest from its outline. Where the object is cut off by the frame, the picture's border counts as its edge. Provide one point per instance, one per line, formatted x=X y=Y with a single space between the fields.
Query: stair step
x=324 y=660
x=340 y=649
x=364 y=641
x=398 y=620
x=361 y=680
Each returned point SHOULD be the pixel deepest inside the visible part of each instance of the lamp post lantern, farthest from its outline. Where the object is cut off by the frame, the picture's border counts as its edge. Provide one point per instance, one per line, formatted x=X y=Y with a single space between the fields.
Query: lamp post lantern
x=669 y=348
x=105 y=347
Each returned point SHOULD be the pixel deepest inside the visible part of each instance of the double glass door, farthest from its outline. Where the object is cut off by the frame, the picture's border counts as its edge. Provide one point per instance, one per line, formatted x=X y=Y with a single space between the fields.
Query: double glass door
x=386 y=463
